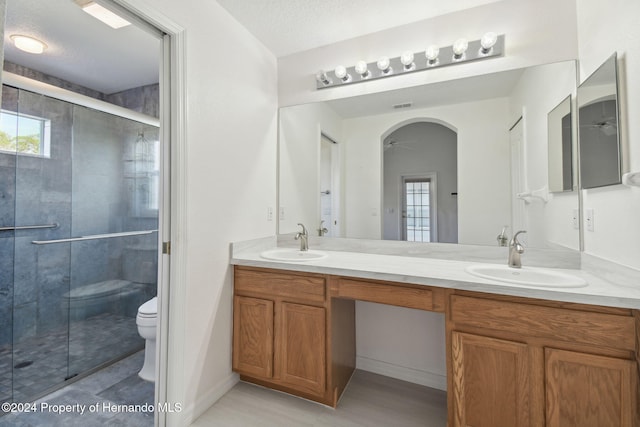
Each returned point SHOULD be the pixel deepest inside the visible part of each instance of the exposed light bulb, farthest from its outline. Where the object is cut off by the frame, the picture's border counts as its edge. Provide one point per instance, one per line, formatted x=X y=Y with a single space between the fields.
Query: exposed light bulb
x=407 y=60
x=459 y=48
x=384 y=65
x=487 y=41
x=28 y=44
x=341 y=73
x=322 y=77
x=432 y=53
x=362 y=69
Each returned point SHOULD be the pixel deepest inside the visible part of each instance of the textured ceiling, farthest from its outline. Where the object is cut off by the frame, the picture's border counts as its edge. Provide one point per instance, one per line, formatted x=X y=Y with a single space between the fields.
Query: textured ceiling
x=290 y=26
x=82 y=49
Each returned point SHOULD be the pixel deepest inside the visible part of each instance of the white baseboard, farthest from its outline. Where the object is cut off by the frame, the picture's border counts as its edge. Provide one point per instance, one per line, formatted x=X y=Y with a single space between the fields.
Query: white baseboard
x=416 y=376
x=194 y=411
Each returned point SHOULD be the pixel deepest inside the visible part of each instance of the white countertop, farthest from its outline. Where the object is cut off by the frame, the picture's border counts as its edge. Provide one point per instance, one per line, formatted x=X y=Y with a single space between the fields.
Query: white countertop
x=442 y=273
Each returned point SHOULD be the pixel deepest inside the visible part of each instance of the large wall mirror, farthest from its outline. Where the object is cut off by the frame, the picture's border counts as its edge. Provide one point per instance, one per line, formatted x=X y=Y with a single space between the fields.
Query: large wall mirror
x=453 y=162
x=600 y=158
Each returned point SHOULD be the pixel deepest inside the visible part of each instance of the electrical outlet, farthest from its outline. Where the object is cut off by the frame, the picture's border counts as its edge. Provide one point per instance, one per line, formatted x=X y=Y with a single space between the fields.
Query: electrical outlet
x=281 y=213
x=590 y=220
x=575 y=219
x=269 y=213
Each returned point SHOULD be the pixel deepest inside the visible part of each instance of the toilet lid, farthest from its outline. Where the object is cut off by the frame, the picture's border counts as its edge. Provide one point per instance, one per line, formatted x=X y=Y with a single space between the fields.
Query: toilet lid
x=150 y=307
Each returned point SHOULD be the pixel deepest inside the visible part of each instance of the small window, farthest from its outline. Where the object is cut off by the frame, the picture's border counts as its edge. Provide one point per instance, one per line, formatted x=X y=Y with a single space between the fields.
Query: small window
x=23 y=134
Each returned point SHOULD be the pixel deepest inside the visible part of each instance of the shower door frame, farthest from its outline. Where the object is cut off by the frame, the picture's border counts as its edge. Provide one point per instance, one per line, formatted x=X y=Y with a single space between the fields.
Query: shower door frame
x=172 y=216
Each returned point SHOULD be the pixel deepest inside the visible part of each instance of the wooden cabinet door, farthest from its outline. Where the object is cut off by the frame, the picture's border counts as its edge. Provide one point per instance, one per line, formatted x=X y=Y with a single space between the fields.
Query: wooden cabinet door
x=302 y=351
x=253 y=336
x=490 y=382
x=585 y=390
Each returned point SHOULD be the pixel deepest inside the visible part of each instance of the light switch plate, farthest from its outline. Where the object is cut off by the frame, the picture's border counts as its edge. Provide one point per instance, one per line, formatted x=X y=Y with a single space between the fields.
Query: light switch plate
x=575 y=219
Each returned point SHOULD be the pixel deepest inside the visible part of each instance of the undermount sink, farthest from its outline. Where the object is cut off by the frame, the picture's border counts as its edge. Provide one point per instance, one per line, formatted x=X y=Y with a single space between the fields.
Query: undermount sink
x=295 y=255
x=529 y=276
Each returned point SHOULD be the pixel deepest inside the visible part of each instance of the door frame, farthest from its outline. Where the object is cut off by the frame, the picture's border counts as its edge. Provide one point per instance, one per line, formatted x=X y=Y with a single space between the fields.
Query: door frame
x=172 y=266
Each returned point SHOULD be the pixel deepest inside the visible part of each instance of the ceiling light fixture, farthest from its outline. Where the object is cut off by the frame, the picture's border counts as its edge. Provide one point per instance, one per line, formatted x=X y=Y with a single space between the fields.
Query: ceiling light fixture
x=103 y=14
x=28 y=44
x=462 y=51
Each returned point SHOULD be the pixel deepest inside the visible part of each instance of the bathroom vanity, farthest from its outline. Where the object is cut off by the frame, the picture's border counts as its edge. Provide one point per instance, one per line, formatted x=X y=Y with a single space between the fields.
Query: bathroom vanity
x=516 y=356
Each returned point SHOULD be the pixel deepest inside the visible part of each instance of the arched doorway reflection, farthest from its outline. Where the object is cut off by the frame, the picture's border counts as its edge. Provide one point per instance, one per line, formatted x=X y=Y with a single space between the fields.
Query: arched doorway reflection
x=420 y=182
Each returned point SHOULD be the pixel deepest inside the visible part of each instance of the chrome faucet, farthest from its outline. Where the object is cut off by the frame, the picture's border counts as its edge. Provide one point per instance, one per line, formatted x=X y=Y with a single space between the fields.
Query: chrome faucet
x=515 y=250
x=304 y=238
x=322 y=230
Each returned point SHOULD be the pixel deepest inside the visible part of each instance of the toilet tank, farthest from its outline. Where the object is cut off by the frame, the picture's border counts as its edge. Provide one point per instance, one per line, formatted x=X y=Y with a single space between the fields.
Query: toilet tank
x=140 y=265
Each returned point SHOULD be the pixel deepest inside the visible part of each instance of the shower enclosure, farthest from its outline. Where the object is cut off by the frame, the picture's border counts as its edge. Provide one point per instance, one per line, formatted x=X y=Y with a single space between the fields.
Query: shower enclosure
x=78 y=239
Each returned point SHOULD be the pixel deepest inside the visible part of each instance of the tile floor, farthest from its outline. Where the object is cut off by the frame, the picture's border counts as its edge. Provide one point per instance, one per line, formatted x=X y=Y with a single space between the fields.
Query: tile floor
x=117 y=384
x=53 y=356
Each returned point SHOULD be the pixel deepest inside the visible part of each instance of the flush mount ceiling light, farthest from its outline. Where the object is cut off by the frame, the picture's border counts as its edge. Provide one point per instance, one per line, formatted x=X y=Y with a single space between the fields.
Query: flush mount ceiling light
x=103 y=14
x=462 y=51
x=28 y=44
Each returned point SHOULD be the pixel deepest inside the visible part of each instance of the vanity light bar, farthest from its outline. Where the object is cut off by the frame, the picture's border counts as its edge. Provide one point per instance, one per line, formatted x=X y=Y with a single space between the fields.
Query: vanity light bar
x=387 y=67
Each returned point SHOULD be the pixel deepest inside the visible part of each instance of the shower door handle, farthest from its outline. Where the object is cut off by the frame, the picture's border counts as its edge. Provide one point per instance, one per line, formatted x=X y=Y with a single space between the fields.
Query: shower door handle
x=94 y=237
x=30 y=227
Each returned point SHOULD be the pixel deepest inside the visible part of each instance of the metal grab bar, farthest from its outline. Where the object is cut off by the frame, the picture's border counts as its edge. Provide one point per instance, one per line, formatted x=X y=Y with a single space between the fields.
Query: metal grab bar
x=30 y=227
x=94 y=237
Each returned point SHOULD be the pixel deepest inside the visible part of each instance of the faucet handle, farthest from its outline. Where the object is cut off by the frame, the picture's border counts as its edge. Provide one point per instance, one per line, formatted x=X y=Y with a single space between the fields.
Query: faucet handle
x=502 y=237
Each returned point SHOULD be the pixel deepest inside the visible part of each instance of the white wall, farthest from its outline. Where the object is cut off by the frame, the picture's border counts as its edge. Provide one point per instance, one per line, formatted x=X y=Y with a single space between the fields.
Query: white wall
x=299 y=162
x=483 y=145
x=231 y=125
x=537 y=32
x=616 y=208
x=540 y=90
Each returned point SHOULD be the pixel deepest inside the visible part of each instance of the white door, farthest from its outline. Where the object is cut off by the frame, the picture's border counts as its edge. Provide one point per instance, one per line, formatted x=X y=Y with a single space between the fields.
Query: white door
x=329 y=186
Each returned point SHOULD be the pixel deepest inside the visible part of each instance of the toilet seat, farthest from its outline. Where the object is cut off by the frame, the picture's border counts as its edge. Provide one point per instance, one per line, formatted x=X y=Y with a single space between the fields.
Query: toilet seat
x=149 y=308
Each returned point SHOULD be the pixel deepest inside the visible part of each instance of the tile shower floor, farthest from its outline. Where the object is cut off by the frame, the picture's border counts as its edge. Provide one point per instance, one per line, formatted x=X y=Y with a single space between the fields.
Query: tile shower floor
x=90 y=343
x=117 y=384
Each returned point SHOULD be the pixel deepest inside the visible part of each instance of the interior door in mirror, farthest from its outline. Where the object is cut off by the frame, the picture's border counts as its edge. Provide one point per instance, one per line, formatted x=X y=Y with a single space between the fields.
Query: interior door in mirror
x=560 y=139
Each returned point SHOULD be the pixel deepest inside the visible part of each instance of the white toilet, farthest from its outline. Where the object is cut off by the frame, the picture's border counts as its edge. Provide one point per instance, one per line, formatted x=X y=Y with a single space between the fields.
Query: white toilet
x=146 y=320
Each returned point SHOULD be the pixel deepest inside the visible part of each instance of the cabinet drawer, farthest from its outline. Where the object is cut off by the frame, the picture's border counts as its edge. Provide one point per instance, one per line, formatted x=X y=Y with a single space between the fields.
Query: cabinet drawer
x=599 y=329
x=276 y=284
x=402 y=296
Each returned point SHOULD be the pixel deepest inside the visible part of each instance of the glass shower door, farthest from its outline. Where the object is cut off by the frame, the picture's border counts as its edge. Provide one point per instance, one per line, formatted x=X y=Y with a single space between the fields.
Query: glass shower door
x=42 y=210
x=78 y=239
x=113 y=271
